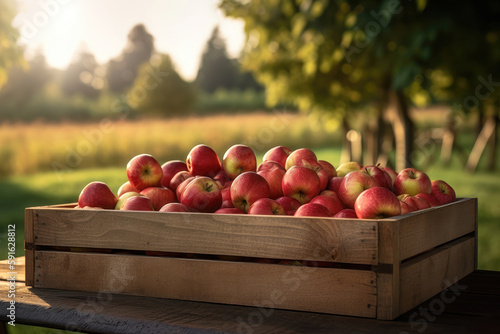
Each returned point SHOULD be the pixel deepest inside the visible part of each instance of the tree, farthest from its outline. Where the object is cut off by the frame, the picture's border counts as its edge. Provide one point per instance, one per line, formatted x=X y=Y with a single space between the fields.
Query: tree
x=80 y=78
x=10 y=51
x=122 y=72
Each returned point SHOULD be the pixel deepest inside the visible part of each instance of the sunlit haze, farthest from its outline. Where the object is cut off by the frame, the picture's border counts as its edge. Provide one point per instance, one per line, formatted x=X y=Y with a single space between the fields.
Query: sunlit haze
x=181 y=29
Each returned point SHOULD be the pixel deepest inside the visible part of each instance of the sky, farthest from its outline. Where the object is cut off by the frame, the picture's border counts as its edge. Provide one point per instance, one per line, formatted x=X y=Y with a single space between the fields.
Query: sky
x=181 y=28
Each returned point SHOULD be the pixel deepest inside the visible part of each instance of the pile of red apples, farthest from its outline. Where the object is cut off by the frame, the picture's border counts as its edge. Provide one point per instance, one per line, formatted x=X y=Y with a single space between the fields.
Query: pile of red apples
x=286 y=183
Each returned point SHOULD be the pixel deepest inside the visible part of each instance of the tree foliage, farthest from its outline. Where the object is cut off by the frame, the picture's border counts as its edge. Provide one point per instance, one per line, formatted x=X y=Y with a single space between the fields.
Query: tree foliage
x=10 y=52
x=81 y=78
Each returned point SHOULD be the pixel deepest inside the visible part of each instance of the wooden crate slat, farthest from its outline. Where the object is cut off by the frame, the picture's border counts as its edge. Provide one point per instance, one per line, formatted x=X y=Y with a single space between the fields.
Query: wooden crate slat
x=29 y=222
x=241 y=235
x=330 y=290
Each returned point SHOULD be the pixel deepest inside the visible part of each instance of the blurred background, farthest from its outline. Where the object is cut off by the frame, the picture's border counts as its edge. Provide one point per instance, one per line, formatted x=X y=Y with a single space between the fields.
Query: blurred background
x=86 y=85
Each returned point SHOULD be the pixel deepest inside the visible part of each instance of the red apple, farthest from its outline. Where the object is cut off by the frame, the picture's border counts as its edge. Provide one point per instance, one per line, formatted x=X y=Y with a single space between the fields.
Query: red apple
x=170 y=168
x=159 y=196
x=222 y=179
x=378 y=174
x=316 y=167
x=277 y=154
x=392 y=174
x=239 y=159
x=290 y=204
x=124 y=197
x=178 y=179
x=334 y=205
x=443 y=192
x=301 y=183
x=248 y=188
x=430 y=198
x=202 y=160
x=266 y=206
x=330 y=193
x=377 y=202
x=144 y=171
x=354 y=184
x=328 y=167
x=312 y=210
x=226 y=198
x=137 y=203
x=348 y=167
x=202 y=194
x=412 y=181
x=229 y=211
x=97 y=194
x=180 y=188
x=334 y=183
x=126 y=188
x=174 y=207
x=296 y=156
x=405 y=207
x=273 y=172
x=346 y=213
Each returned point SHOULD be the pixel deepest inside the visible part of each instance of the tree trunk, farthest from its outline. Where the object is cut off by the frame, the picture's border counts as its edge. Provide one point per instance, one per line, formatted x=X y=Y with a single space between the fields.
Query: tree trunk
x=403 y=129
x=487 y=132
x=346 y=154
x=373 y=139
x=492 y=144
x=448 y=138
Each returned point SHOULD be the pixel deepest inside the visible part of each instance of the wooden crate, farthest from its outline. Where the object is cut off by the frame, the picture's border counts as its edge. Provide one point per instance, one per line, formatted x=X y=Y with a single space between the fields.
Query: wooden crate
x=368 y=268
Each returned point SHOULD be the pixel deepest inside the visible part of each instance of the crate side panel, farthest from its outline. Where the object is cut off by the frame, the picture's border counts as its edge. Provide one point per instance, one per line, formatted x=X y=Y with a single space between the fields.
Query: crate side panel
x=328 y=290
x=240 y=235
x=433 y=227
x=28 y=246
x=425 y=276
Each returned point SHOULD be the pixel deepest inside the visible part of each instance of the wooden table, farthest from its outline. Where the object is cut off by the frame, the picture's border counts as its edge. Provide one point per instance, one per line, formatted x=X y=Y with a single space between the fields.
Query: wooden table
x=472 y=305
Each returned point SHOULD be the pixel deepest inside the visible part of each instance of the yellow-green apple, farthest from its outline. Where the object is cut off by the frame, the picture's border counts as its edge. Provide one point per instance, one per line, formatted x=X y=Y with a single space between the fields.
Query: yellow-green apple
x=354 y=184
x=328 y=167
x=312 y=210
x=170 y=168
x=301 y=183
x=124 y=197
x=203 y=161
x=334 y=183
x=229 y=211
x=346 y=213
x=379 y=175
x=159 y=196
x=277 y=154
x=333 y=204
x=290 y=204
x=137 y=203
x=273 y=172
x=296 y=156
x=348 y=167
x=377 y=202
x=97 y=194
x=412 y=181
x=266 y=206
x=202 y=194
x=248 y=188
x=126 y=188
x=178 y=179
x=173 y=207
x=226 y=198
x=144 y=171
x=430 y=198
x=392 y=174
x=316 y=167
x=239 y=159
x=443 y=192
x=181 y=186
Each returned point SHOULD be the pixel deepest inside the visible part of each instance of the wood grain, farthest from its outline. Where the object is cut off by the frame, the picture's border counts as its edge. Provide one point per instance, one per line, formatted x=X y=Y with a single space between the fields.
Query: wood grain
x=347 y=241
x=328 y=290
x=20 y=269
x=29 y=238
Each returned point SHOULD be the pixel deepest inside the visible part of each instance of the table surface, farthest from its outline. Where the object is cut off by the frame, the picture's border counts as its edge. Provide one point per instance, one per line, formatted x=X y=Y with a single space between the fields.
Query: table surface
x=472 y=305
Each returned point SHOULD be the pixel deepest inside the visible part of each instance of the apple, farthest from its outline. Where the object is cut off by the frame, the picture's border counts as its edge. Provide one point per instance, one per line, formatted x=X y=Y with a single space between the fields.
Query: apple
x=316 y=167
x=97 y=194
x=328 y=167
x=334 y=205
x=137 y=203
x=412 y=181
x=420 y=203
x=298 y=155
x=277 y=154
x=174 y=207
x=203 y=161
x=239 y=159
x=330 y=193
x=178 y=179
x=430 y=198
x=202 y=194
x=266 y=206
x=159 y=196
x=353 y=185
x=312 y=210
x=226 y=198
x=443 y=192
x=377 y=202
x=170 y=168
x=247 y=188
x=229 y=211
x=222 y=179
x=379 y=175
x=301 y=183
x=180 y=188
x=334 y=183
x=346 y=213
x=273 y=172
x=126 y=188
x=144 y=171
x=290 y=204
x=124 y=197
x=392 y=174
x=348 y=167
x=406 y=207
